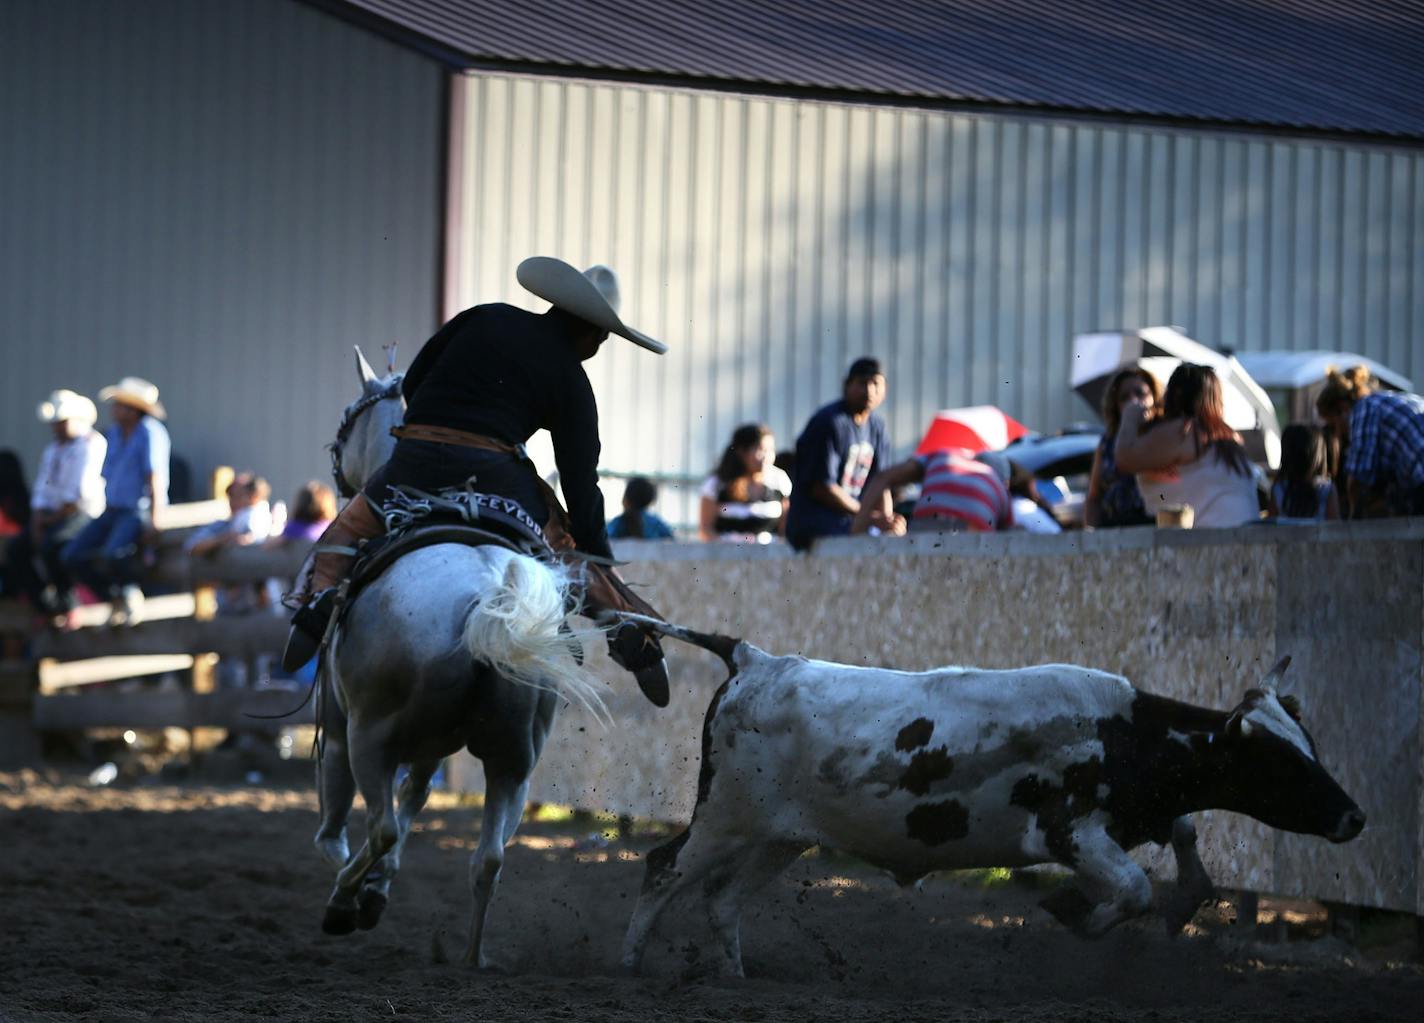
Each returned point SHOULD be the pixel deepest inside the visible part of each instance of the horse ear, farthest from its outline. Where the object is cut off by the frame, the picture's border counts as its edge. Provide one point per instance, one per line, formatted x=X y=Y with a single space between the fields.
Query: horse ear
x=364 y=370
x=1272 y=681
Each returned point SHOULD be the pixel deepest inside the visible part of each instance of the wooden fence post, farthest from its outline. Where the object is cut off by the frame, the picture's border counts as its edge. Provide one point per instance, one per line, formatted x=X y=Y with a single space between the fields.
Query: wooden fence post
x=205 y=600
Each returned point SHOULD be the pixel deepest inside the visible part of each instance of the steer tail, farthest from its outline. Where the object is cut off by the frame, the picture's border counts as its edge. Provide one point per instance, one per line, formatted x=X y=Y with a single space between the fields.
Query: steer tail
x=523 y=629
x=723 y=646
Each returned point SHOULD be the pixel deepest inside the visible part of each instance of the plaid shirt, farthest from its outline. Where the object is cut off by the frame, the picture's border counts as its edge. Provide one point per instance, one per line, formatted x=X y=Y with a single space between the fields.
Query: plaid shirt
x=1387 y=440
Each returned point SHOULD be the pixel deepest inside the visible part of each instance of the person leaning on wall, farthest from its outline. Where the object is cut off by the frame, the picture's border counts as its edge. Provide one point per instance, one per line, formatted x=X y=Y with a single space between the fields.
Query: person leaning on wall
x=1383 y=434
x=1113 y=498
x=639 y=521
x=744 y=500
x=842 y=446
x=1189 y=455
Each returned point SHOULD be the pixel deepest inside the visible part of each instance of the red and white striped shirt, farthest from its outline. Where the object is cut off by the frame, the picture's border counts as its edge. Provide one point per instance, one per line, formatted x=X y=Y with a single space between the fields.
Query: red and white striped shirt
x=959 y=488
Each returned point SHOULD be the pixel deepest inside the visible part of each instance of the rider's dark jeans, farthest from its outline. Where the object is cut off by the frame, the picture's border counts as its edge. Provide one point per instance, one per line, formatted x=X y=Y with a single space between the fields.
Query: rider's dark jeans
x=429 y=466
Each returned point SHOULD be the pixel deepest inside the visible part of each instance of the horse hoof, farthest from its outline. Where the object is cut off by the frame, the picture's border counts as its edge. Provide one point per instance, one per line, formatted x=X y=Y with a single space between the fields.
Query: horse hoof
x=369 y=907
x=338 y=920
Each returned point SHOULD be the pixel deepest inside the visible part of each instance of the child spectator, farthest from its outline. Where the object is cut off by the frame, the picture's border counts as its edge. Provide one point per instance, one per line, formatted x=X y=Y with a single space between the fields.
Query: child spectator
x=745 y=498
x=637 y=522
x=250 y=519
x=312 y=511
x=1302 y=491
x=250 y=522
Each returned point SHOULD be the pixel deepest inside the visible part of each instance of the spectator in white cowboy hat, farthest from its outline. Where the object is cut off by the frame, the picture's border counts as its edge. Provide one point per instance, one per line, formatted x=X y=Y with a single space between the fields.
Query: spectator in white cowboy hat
x=481 y=387
x=104 y=556
x=68 y=495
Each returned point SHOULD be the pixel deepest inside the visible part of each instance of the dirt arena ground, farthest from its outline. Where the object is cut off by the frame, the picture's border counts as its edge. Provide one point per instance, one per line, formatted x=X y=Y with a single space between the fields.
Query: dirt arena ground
x=203 y=903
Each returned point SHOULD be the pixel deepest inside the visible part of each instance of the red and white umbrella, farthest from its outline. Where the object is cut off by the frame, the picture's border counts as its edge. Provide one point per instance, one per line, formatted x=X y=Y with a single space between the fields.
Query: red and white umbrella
x=975 y=428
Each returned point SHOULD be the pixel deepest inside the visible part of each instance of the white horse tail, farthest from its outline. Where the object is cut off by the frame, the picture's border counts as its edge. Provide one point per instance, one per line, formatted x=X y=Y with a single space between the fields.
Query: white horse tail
x=524 y=630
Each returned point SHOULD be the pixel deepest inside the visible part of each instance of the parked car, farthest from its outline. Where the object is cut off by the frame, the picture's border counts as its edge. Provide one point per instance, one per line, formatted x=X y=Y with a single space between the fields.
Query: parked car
x=1062 y=464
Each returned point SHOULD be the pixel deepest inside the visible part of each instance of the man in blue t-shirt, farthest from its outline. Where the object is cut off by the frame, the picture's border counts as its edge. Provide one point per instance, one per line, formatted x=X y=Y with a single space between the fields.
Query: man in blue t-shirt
x=842 y=446
x=105 y=554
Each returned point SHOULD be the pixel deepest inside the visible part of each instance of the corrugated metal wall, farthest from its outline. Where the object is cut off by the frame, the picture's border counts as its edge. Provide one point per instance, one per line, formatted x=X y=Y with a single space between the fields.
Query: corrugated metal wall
x=771 y=242
x=222 y=197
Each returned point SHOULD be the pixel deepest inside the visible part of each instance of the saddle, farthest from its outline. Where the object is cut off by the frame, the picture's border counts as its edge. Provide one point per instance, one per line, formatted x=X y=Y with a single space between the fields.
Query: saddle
x=416 y=519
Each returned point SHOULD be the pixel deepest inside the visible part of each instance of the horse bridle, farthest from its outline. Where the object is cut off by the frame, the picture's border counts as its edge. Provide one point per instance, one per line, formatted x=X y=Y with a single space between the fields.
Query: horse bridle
x=353 y=412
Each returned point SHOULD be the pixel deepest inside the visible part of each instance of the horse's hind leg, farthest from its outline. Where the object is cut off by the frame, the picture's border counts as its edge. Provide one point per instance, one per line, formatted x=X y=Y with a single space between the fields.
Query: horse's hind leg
x=504 y=807
x=410 y=800
x=336 y=788
x=374 y=770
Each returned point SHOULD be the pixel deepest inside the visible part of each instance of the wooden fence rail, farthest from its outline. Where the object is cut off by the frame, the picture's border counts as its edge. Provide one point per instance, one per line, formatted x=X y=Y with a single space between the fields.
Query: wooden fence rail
x=55 y=688
x=178 y=708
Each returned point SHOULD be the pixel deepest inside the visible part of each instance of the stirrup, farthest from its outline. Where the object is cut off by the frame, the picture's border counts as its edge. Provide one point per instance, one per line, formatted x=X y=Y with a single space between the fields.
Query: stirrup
x=309 y=627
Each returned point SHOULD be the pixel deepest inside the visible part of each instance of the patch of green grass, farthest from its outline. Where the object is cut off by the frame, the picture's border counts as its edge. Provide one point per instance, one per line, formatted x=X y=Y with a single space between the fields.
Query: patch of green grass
x=552 y=813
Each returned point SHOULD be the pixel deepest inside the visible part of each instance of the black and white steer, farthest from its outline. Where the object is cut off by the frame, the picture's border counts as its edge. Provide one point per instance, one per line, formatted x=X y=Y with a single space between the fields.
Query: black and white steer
x=960 y=768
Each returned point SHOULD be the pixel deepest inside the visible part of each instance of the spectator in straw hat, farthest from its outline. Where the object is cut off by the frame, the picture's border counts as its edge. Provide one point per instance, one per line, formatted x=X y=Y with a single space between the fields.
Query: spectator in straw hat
x=104 y=556
x=68 y=495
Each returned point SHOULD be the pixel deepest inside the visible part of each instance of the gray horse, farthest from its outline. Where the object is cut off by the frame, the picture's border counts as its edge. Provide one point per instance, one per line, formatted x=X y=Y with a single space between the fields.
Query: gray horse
x=452 y=647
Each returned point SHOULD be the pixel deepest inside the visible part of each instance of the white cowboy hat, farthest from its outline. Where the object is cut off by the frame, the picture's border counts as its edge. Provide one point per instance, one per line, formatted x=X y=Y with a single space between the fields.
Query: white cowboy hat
x=591 y=295
x=63 y=405
x=138 y=393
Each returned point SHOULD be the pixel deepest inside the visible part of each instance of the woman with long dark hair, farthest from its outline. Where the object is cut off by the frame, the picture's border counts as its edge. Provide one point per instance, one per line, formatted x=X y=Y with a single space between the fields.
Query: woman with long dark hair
x=746 y=496
x=638 y=521
x=1113 y=498
x=1189 y=455
x=1302 y=490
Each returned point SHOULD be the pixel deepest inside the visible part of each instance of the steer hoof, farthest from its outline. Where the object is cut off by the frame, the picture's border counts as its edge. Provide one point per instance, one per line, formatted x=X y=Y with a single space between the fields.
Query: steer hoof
x=338 y=920
x=1182 y=905
x=1069 y=907
x=369 y=907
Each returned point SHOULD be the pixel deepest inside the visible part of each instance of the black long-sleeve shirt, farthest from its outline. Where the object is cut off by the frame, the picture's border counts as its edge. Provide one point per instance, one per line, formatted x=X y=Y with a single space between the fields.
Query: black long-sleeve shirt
x=506 y=373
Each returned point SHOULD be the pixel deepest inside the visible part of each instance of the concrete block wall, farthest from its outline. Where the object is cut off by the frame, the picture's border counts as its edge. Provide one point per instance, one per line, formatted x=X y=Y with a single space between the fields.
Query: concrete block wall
x=1195 y=615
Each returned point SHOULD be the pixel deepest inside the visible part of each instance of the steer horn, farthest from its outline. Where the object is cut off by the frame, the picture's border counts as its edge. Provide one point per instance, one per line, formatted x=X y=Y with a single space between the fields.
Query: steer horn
x=1272 y=681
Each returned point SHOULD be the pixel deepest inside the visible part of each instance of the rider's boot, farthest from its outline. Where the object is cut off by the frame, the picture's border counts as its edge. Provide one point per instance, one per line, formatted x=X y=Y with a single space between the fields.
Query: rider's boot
x=630 y=646
x=325 y=567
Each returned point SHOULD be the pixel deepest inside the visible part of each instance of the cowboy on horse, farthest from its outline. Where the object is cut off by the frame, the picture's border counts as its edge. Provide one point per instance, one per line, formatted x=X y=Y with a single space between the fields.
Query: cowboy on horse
x=478 y=390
